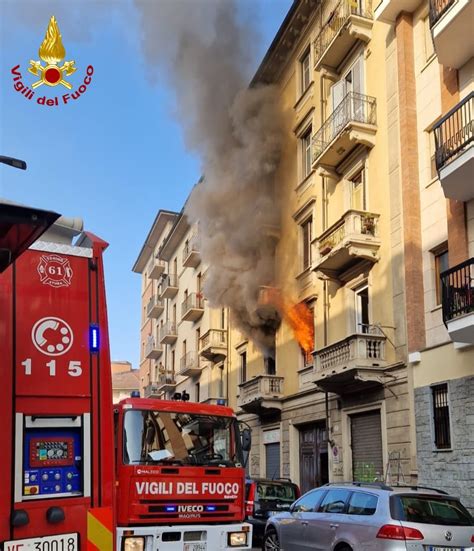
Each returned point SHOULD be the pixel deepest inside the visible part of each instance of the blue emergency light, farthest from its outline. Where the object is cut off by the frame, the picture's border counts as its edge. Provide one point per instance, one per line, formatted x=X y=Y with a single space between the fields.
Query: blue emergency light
x=210 y=508
x=94 y=341
x=170 y=508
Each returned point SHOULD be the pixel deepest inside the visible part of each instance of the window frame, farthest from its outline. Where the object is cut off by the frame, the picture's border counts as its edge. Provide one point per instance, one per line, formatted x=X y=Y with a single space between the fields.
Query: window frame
x=333 y=490
x=317 y=491
x=304 y=73
x=437 y=253
x=305 y=139
x=449 y=445
x=306 y=243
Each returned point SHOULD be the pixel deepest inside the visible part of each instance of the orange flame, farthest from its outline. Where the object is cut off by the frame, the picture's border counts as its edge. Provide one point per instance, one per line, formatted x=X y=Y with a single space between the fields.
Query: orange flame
x=298 y=316
x=52 y=49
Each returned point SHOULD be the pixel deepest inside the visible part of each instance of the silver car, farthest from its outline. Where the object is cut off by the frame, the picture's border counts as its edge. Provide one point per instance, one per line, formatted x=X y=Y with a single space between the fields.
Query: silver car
x=371 y=517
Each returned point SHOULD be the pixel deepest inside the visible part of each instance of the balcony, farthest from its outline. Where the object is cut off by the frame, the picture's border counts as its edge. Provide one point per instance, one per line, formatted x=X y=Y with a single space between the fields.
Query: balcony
x=351 y=364
x=169 y=286
x=189 y=365
x=458 y=301
x=153 y=349
x=348 y=23
x=166 y=382
x=155 y=268
x=152 y=391
x=213 y=345
x=191 y=256
x=168 y=333
x=454 y=141
x=192 y=307
x=352 y=239
x=352 y=123
x=451 y=24
x=261 y=395
x=155 y=307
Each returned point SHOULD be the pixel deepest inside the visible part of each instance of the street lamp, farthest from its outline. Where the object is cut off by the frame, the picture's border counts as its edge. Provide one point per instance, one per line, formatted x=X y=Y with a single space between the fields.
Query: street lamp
x=20 y=226
x=11 y=161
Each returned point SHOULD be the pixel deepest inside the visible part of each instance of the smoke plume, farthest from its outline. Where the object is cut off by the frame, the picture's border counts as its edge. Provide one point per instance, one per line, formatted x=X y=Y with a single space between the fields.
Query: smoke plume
x=206 y=49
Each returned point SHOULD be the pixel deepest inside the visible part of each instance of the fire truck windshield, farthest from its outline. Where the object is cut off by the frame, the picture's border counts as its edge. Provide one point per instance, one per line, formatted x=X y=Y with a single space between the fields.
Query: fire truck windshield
x=159 y=437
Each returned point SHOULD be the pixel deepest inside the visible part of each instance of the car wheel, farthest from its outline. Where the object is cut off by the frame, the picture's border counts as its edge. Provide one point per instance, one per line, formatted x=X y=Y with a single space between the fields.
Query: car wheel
x=271 y=541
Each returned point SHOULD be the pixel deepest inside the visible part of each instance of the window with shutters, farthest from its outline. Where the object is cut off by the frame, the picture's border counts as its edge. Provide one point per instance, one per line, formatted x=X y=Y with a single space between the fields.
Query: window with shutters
x=441 y=426
x=305 y=151
x=305 y=71
x=306 y=237
x=272 y=460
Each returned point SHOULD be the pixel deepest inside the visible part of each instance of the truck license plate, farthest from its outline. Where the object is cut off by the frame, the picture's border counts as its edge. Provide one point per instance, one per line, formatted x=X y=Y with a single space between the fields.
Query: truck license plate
x=446 y=548
x=195 y=546
x=61 y=542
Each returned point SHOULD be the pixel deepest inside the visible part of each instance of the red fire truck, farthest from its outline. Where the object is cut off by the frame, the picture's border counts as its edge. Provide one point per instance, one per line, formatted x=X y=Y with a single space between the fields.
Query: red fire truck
x=178 y=479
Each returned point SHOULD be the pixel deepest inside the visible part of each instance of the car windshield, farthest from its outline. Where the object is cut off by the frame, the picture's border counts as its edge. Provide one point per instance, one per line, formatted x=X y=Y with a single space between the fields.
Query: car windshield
x=431 y=510
x=271 y=491
x=158 y=437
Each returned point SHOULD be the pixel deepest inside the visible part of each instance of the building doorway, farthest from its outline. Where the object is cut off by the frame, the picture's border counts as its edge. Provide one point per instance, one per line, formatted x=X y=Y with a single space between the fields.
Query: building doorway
x=314 y=466
x=366 y=444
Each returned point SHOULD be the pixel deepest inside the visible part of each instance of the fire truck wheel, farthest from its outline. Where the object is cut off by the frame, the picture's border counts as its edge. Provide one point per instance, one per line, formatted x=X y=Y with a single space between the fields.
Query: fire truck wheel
x=271 y=541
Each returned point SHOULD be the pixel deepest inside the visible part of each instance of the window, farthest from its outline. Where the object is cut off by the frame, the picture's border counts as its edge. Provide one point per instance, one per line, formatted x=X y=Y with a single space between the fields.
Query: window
x=334 y=502
x=305 y=77
x=269 y=362
x=222 y=318
x=362 y=504
x=243 y=367
x=441 y=265
x=442 y=431
x=305 y=142
x=198 y=392
x=220 y=382
x=172 y=361
x=309 y=502
x=306 y=235
x=358 y=199
x=428 y=39
x=362 y=309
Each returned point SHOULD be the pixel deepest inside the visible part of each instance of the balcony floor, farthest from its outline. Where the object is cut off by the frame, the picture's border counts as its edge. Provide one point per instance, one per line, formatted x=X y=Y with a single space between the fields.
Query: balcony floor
x=353 y=380
x=461 y=329
x=457 y=176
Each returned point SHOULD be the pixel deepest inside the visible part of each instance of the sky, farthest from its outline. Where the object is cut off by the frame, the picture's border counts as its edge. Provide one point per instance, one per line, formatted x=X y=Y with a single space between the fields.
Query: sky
x=114 y=156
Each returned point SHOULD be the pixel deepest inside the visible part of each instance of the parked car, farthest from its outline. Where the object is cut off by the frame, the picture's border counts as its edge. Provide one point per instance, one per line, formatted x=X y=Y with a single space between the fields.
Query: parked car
x=372 y=517
x=266 y=497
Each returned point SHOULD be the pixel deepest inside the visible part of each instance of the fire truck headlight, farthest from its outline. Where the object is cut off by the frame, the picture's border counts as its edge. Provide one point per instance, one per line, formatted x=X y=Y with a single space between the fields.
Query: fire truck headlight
x=237 y=539
x=133 y=543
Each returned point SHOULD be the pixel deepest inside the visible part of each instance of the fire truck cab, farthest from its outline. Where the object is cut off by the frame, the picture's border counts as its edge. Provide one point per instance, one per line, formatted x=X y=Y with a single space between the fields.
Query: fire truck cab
x=180 y=477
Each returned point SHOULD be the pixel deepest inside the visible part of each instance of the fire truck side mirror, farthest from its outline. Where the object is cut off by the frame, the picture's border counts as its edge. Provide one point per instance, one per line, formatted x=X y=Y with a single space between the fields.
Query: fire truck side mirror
x=246 y=437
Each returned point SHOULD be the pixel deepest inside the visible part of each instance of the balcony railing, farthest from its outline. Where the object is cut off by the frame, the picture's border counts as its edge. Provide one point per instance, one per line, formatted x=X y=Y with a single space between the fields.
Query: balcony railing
x=191 y=257
x=155 y=268
x=169 y=286
x=151 y=390
x=192 y=307
x=155 y=307
x=458 y=290
x=153 y=350
x=168 y=333
x=337 y=20
x=166 y=381
x=261 y=394
x=359 y=350
x=354 y=107
x=438 y=8
x=213 y=343
x=454 y=132
x=189 y=364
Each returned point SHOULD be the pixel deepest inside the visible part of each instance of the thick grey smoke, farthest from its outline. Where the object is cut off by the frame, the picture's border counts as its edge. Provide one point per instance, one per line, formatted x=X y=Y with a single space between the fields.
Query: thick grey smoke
x=206 y=47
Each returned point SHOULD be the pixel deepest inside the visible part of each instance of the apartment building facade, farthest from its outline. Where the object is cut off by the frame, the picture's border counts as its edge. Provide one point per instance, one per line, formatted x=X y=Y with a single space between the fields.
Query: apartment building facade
x=435 y=109
x=184 y=345
x=348 y=411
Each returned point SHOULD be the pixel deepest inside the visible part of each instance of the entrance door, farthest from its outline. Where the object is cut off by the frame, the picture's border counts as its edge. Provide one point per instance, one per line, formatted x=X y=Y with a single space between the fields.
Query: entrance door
x=366 y=443
x=314 y=470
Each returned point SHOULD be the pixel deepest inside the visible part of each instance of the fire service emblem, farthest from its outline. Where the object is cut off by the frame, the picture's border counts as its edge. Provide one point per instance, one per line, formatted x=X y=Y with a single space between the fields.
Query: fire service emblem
x=55 y=271
x=53 y=72
x=52 y=52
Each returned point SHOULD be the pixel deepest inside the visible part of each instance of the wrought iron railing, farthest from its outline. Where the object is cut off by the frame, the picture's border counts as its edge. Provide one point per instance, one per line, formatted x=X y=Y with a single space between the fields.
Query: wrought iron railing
x=354 y=107
x=457 y=286
x=167 y=379
x=438 y=8
x=336 y=20
x=192 y=301
x=454 y=132
x=352 y=223
x=367 y=346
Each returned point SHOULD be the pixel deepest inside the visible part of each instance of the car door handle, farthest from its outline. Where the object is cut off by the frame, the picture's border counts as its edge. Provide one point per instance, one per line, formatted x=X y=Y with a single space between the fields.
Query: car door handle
x=334 y=525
